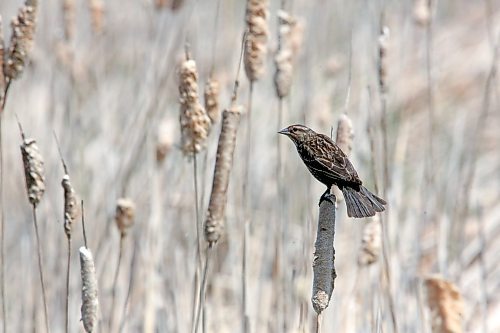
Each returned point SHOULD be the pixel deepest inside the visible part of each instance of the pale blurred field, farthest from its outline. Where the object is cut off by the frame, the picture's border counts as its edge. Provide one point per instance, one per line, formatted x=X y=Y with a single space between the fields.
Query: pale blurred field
x=105 y=96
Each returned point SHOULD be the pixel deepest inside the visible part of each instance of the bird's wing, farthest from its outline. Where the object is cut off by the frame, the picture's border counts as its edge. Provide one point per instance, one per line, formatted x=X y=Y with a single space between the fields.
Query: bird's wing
x=327 y=159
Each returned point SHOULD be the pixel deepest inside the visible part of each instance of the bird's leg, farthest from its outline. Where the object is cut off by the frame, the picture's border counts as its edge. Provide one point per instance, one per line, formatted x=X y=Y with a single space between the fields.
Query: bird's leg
x=325 y=196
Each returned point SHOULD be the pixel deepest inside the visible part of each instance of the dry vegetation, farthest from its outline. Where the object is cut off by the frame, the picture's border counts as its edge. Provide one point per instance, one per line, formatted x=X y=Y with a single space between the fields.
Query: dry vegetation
x=412 y=91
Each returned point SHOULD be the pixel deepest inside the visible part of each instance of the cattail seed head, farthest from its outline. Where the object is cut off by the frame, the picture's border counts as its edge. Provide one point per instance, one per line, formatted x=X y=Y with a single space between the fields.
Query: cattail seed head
x=70 y=205
x=195 y=123
x=2 y=55
x=446 y=305
x=214 y=223
x=33 y=170
x=324 y=272
x=90 y=301
x=422 y=12
x=256 y=42
x=96 y=8
x=287 y=52
x=68 y=11
x=371 y=242
x=124 y=215
x=211 y=95
x=21 y=41
x=165 y=139
x=383 y=42
x=345 y=134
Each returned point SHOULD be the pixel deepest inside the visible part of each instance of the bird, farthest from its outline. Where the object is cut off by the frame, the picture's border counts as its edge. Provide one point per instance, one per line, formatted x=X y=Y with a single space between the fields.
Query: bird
x=328 y=164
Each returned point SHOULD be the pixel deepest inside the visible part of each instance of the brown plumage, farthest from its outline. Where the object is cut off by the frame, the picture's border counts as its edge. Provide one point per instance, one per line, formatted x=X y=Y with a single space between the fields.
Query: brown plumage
x=328 y=164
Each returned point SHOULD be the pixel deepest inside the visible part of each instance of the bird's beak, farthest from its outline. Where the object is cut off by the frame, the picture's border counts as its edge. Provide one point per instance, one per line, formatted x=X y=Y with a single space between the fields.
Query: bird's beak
x=284 y=131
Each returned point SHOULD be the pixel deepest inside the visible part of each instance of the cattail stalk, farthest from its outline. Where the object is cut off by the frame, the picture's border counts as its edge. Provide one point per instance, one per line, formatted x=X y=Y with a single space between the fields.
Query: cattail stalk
x=68 y=12
x=90 y=303
x=70 y=215
x=35 y=187
x=2 y=217
x=446 y=305
x=124 y=219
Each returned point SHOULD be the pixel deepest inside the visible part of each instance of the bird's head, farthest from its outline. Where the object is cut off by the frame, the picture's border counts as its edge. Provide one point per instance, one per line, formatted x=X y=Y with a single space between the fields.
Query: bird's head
x=297 y=133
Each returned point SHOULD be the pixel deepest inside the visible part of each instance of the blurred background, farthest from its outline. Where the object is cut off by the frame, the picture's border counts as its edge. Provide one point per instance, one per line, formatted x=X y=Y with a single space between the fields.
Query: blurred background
x=104 y=77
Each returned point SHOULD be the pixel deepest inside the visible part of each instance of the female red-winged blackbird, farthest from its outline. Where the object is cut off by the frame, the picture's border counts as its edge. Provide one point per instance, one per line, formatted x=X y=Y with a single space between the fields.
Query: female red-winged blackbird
x=328 y=164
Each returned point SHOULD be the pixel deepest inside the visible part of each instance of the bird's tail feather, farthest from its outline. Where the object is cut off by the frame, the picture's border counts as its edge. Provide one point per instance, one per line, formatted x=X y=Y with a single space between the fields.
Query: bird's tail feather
x=362 y=203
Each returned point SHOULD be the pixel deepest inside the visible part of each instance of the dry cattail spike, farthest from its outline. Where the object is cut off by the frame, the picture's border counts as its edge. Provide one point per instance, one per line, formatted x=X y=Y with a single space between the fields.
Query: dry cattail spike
x=165 y=139
x=70 y=205
x=2 y=76
x=345 y=134
x=214 y=223
x=422 y=12
x=33 y=169
x=324 y=256
x=211 y=95
x=383 y=42
x=68 y=11
x=96 y=8
x=255 y=45
x=195 y=124
x=90 y=301
x=124 y=216
x=446 y=305
x=286 y=52
x=371 y=242
x=21 y=41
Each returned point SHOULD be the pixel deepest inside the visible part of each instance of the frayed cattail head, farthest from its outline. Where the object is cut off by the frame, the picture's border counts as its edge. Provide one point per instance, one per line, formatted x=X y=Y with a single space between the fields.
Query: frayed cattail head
x=70 y=205
x=165 y=139
x=195 y=124
x=256 y=41
x=2 y=56
x=214 y=223
x=21 y=41
x=383 y=42
x=90 y=301
x=446 y=305
x=287 y=52
x=124 y=216
x=211 y=95
x=422 y=12
x=371 y=242
x=68 y=9
x=33 y=170
x=96 y=8
x=345 y=134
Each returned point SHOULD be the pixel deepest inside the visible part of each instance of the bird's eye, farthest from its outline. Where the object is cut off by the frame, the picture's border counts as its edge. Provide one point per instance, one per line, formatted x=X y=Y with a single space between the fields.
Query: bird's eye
x=293 y=129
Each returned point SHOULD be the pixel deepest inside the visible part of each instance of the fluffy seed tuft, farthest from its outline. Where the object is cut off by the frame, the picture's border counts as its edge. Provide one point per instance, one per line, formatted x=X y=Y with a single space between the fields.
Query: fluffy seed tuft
x=446 y=305
x=195 y=123
x=211 y=95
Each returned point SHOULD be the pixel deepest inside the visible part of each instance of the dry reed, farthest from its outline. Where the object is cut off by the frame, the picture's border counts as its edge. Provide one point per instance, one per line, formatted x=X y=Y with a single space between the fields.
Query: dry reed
x=90 y=301
x=214 y=223
x=35 y=188
x=371 y=242
x=256 y=42
x=324 y=256
x=21 y=41
x=2 y=76
x=446 y=305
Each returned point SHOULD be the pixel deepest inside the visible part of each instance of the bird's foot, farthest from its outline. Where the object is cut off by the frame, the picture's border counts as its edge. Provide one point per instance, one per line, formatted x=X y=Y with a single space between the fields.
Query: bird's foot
x=326 y=196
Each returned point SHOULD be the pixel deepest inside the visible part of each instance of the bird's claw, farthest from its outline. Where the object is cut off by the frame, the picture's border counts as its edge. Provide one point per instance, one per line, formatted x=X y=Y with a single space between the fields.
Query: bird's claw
x=326 y=196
